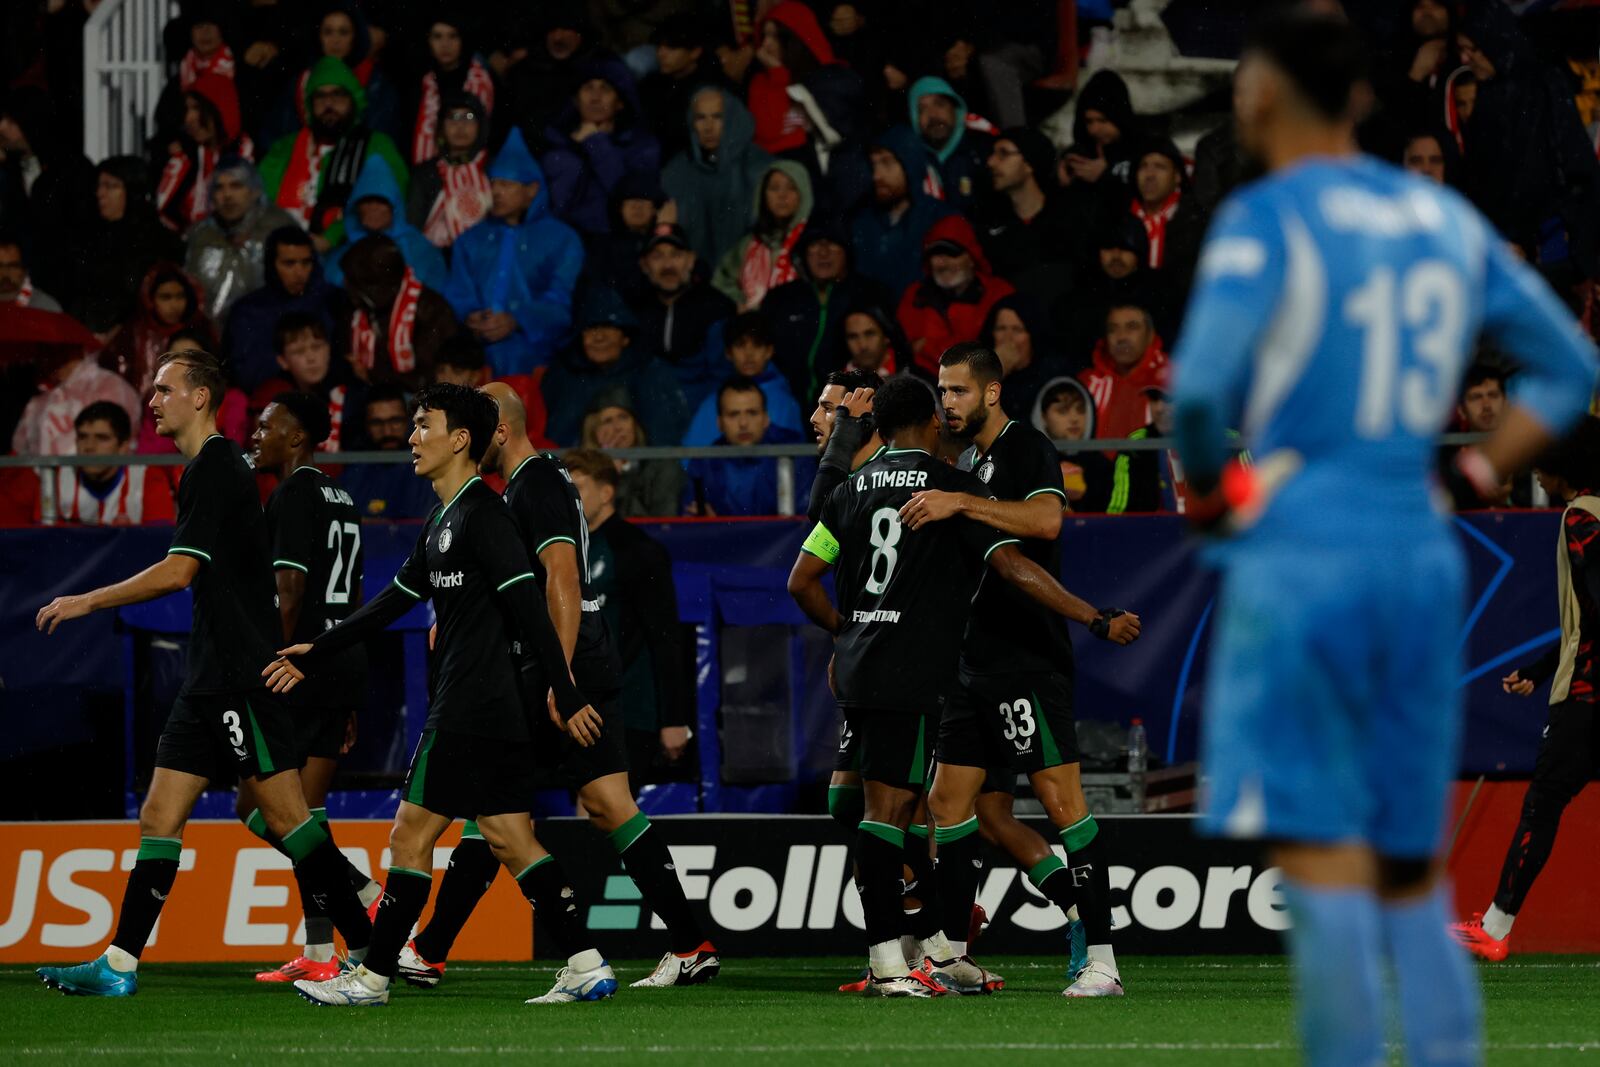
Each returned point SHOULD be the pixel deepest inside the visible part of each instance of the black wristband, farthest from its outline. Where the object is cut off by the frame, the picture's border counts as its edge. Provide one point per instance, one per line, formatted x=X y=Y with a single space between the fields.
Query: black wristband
x=1100 y=625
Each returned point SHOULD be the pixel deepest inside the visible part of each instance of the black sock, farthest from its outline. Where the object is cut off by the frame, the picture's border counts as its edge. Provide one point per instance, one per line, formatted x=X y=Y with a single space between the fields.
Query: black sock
x=1087 y=859
x=1530 y=845
x=555 y=905
x=149 y=884
x=922 y=886
x=880 y=849
x=405 y=894
x=649 y=864
x=323 y=886
x=1054 y=879
x=354 y=875
x=469 y=876
x=960 y=866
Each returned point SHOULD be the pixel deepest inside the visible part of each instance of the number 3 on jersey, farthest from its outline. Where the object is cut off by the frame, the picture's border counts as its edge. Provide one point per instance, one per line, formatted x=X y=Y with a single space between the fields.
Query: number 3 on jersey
x=886 y=530
x=1430 y=303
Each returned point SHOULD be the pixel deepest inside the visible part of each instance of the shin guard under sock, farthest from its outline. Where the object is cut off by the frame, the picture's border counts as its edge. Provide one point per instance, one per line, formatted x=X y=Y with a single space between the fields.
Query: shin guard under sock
x=546 y=887
x=468 y=877
x=649 y=863
x=405 y=894
x=149 y=884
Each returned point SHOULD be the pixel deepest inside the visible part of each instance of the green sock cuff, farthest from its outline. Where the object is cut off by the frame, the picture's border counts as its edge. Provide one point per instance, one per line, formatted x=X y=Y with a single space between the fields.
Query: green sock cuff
x=256 y=823
x=945 y=834
x=303 y=840
x=469 y=829
x=629 y=832
x=1045 y=868
x=1080 y=833
x=918 y=829
x=160 y=848
x=884 y=832
x=413 y=872
x=321 y=815
x=540 y=862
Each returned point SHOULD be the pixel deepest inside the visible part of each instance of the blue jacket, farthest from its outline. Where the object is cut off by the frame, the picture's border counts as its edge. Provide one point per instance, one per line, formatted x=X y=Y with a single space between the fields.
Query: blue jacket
x=890 y=251
x=378 y=182
x=527 y=270
x=750 y=486
x=249 y=339
x=781 y=408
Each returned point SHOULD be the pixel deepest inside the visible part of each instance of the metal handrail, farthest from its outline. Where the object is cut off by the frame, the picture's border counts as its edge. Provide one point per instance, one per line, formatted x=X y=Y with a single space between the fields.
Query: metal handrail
x=124 y=71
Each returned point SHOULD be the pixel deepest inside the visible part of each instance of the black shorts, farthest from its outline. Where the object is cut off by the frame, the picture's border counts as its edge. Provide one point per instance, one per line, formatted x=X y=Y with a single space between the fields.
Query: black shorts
x=895 y=747
x=466 y=776
x=321 y=731
x=848 y=756
x=577 y=765
x=1022 y=722
x=225 y=736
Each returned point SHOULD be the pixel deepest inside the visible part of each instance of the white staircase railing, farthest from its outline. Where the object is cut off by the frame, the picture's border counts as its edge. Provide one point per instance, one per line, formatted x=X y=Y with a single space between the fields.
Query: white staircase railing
x=124 y=69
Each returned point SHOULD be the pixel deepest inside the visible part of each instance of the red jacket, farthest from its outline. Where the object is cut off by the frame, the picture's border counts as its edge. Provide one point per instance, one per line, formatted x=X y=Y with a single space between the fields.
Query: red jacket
x=1120 y=406
x=778 y=120
x=934 y=319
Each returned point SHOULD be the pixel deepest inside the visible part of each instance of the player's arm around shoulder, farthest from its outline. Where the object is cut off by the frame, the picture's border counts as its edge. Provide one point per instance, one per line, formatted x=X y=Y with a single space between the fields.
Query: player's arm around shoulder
x=1038 y=515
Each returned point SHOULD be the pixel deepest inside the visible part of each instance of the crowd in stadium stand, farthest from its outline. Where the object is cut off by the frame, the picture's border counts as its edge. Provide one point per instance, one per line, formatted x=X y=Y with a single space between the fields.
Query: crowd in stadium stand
x=667 y=221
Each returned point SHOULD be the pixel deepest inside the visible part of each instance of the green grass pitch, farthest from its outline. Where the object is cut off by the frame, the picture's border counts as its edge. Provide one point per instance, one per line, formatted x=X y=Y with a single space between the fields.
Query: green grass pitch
x=1192 y=1010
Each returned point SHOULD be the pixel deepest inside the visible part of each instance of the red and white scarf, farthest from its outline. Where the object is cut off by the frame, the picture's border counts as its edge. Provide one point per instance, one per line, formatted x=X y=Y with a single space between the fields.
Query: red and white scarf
x=68 y=499
x=195 y=195
x=298 y=192
x=194 y=65
x=24 y=295
x=1155 y=224
x=764 y=269
x=461 y=204
x=402 y=321
x=336 y=398
x=424 y=139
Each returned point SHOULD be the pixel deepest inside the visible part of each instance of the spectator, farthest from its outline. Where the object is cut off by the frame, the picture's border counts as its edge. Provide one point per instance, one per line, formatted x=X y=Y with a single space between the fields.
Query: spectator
x=887 y=234
x=541 y=83
x=388 y=490
x=450 y=190
x=293 y=285
x=511 y=275
x=1065 y=412
x=681 y=315
x=126 y=240
x=1173 y=225
x=611 y=259
x=310 y=173
x=1018 y=331
x=631 y=575
x=1116 y=270
x=750 y=346
x=212 y=132
x=461 y=361
x=605 y=367
x=746 y=486
x=956 y=144
x=764 y=257
x=874 y=342
x=1031 y=235
x=345 y=36
x=1104 y=132
x=954 y=296
x=226 y=248
x=1128 y=358
x=113 y=495
x=306 y=359
x=682 y=69
x=714 y=182
x=1424 y=153
x=169 y=301
x=377 y=206
x=646 y=488
x=44 y=185
x=596 y=141
x=16 y=287
x=453 y=71
x=792 y=47
x=398 y=323
x=1480 y=409
x=1220 y=166
x=69 y=382
x=807 y=313
x=1149 y=480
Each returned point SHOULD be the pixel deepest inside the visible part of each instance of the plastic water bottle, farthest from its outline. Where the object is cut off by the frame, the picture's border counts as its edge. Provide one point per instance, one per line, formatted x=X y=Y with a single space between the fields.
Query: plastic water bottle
x=1138 y=761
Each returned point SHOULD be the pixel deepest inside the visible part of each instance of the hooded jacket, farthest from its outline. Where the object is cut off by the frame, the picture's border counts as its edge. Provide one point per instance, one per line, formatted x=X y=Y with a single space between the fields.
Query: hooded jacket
x=960 y=166
x=778 y=125
x=1107 y=93
x=383 y=104
x=225 y=258
x=374 y=272
x=686 y=335
x=1095 y=470
x=183 y=193
x=583 y=173
x=574 y=385
x=736 y=277
x=888 y=248
x=314 y=185
x=116 y=256
x=526 y=270
x=782 y=408
x=1120 y=406
x=935 y=319
x=1019 y=391
x=249 y=339
x=749 y=486
x=59 y=204
x=714 y=193
x=377 y=182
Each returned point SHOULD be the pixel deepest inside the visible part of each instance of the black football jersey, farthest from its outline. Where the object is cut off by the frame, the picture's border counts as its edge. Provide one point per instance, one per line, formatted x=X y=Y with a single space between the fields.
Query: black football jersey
x=904 y=594
x=1009 y=632
x=235 y=630
x=315 y=528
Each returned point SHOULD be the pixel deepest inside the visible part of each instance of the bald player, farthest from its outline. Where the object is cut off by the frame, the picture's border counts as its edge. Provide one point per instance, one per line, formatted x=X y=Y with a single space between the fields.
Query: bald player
x=549 y=515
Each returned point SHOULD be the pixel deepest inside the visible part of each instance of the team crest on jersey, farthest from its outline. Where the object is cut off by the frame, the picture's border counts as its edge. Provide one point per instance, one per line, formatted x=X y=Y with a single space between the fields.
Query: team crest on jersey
x=446 y=539
x=985 y=471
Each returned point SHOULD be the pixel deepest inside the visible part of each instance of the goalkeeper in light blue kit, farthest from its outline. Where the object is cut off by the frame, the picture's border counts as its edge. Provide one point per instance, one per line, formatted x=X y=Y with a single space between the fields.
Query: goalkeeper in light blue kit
x=1336 y=306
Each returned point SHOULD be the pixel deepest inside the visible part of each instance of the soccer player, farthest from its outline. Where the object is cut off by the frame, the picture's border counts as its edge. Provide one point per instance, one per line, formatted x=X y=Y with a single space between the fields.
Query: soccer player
x=1335 y=308
x=1013 y=707
x=903 y=598
x=223 y=723
x=549 y=516
x=476 y=755
x=1570 y=748
x=314 y=531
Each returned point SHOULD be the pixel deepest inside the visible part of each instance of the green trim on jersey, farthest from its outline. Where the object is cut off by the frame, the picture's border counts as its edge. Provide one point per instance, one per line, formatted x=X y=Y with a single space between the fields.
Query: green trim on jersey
x=280 y=564
x=1036 y=492
x=509 y=582
x=548 y=541
x=881 y=450
x=887 y=451
x=405 y=588
x=468 y=485
x=822 y=544
x=1000 y=544
x=263 y=755
x=524 y=463
x=187 y=551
